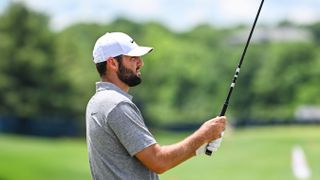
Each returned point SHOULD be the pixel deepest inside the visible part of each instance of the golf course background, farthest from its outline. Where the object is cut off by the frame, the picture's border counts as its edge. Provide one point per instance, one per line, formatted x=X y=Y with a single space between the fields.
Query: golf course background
x=262 y=153
x=47 y=78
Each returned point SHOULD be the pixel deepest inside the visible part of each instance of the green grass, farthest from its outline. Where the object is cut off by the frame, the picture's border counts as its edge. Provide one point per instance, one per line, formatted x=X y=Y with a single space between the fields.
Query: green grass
x=23 y=158
x=254 y=153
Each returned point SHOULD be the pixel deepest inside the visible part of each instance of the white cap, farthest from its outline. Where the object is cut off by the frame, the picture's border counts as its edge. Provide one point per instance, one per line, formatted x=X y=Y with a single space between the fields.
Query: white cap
x=114 y=44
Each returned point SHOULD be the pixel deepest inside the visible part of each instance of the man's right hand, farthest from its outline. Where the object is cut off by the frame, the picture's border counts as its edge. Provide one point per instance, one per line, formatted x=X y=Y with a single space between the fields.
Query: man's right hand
x=211 y=131
x=213 y=128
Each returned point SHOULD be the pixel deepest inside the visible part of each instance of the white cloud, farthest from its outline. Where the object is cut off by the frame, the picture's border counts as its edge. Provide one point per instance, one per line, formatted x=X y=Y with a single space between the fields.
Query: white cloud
x=304 y=14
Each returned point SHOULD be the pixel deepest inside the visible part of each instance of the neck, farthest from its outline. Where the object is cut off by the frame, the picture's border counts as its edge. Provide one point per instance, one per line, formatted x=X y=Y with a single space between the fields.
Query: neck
x=116 y=82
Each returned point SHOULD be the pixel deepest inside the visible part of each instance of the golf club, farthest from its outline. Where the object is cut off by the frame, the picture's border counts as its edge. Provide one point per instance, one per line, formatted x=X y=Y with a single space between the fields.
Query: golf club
x=235 y=77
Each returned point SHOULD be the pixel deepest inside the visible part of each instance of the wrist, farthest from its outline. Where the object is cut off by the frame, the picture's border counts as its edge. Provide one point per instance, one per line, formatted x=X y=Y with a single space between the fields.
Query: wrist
x=200 y=137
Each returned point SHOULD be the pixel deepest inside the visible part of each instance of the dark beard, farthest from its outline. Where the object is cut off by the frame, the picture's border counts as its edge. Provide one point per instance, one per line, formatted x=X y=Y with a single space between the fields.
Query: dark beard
x=127 y=76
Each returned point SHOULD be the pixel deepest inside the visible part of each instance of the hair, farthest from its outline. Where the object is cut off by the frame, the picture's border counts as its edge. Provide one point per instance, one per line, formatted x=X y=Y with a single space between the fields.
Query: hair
x=102 y=66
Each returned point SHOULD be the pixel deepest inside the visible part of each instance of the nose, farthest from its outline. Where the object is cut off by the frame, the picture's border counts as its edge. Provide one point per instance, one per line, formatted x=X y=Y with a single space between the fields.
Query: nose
x=140 y=61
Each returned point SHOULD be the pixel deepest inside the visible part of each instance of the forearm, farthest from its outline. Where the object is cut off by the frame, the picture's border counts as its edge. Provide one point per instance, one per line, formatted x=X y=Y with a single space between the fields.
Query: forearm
x=162 y=158
x=177 y=153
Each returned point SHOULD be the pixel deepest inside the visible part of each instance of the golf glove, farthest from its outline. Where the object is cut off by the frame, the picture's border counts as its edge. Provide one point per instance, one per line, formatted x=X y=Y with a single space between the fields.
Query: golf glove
x=212 y=146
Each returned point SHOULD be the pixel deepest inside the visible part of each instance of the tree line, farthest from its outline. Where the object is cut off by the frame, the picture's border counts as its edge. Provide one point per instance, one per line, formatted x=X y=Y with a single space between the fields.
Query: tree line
x=47 y=74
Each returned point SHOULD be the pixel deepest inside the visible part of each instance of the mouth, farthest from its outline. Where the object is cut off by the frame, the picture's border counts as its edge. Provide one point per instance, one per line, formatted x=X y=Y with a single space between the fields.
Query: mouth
x=138 y=72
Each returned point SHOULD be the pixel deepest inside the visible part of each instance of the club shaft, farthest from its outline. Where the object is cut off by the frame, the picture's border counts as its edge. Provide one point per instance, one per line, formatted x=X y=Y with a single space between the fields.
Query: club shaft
x=235 y=77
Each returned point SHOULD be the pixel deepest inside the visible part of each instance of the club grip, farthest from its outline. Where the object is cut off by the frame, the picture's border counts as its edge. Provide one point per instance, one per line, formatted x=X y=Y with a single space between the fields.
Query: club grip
x=208 y=152
x=216 y=143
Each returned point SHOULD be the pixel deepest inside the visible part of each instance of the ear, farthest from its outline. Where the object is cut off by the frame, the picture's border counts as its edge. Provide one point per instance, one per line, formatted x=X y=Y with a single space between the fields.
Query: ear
x=112 y=64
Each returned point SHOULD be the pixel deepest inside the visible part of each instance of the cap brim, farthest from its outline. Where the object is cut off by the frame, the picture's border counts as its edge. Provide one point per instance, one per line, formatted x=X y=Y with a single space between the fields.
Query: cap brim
x=139 y=51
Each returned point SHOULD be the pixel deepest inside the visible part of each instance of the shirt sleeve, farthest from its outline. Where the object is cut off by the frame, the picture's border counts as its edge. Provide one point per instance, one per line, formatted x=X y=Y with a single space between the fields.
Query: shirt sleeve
x=127 y=123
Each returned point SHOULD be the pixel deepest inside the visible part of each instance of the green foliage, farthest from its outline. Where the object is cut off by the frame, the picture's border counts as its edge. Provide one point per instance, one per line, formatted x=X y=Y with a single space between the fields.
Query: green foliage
x=315 y=29
x=279 y=78
x=185 y=78
x=30 y=85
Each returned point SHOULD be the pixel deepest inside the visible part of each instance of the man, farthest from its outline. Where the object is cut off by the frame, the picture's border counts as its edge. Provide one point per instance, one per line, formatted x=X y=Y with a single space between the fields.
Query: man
x=120 y=145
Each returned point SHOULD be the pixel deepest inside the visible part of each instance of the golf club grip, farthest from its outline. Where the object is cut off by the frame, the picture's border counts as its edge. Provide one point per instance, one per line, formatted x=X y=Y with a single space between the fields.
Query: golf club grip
x=208 y=152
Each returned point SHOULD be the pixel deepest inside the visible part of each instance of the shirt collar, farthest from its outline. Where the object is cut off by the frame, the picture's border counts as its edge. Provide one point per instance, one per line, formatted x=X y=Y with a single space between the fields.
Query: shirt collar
x=101 y=86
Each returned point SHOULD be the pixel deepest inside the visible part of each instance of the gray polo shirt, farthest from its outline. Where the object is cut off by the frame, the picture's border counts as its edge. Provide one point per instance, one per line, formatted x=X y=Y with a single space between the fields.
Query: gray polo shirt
x=115 y=133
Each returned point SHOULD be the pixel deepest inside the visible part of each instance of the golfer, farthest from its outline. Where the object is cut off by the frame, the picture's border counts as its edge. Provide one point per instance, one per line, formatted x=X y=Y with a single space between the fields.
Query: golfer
x=120 y=146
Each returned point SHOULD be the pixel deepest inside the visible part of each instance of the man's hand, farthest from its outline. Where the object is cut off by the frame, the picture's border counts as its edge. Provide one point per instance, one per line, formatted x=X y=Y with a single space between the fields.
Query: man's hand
x=213 y=130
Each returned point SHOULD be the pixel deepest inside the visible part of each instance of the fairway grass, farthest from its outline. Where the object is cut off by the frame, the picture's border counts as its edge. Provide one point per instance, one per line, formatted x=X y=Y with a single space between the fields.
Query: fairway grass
x=26 y=158
x=249 y=154
x=254 y=154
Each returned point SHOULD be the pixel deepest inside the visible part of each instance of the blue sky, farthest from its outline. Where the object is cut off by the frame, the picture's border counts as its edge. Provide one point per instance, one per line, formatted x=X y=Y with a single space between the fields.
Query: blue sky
x=177 y=15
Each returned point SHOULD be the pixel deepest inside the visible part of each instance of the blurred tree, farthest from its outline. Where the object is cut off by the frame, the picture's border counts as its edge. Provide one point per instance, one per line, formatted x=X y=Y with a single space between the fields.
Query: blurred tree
x=185 y=79
x=315 y=29
x=73 y=51
x=279 y=78
x=30 y=86
x=242 y=100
